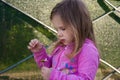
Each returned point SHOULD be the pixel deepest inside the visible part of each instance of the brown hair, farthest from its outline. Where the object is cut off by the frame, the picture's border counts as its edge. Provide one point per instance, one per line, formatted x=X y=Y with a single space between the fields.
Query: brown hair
x=75 y=13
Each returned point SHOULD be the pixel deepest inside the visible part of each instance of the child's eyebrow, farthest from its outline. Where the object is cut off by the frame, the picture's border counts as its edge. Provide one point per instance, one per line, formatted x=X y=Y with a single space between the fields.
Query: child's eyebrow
x=62 y=27
x=59 y=27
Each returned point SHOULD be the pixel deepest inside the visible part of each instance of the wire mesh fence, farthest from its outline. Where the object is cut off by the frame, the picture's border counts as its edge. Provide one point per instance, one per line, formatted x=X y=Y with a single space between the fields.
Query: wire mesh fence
x=106 y=21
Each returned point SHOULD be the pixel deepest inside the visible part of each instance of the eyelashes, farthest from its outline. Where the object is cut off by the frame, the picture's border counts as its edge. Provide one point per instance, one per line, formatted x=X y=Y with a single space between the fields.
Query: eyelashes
x=61 y=29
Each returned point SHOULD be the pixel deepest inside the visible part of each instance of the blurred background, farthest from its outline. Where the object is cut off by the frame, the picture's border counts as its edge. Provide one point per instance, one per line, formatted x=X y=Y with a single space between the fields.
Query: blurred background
x=23 y=20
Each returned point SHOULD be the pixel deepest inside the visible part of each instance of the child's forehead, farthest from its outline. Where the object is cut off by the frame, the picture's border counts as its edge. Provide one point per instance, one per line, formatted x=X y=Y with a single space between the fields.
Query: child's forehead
x=60 y=18
x=63 y=26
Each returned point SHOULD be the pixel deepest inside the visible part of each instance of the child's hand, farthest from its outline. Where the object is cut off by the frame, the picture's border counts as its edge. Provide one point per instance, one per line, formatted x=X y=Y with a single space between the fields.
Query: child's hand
x=45 y=72
x=34 y=45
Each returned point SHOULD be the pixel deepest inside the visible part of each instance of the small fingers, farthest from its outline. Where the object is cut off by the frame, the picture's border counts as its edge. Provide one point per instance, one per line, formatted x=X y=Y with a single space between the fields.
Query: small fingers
x=33 y=43
x=28 y=47
x=43 y=70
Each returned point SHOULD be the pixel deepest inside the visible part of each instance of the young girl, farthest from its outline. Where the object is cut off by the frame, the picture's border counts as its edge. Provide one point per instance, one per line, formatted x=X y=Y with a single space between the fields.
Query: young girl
x=75 y=56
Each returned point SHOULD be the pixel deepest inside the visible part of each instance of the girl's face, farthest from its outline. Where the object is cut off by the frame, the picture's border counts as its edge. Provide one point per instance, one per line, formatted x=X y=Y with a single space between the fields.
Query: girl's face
x=64 y=32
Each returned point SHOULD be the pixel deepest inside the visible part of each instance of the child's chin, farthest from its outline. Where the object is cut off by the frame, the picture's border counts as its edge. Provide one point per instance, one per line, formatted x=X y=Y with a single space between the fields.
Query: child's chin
x=65 y=43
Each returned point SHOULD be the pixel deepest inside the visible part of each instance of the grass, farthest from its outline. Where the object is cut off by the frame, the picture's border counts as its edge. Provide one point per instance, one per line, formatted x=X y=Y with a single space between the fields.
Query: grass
x=30 y=75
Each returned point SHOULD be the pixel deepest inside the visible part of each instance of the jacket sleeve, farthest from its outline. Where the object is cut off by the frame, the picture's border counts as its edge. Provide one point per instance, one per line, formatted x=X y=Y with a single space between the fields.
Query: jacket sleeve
x=42 y=59
x=88 y=61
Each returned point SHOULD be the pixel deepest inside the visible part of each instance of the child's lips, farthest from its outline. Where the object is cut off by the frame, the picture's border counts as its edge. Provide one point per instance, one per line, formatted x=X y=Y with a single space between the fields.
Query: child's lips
x=62 y=40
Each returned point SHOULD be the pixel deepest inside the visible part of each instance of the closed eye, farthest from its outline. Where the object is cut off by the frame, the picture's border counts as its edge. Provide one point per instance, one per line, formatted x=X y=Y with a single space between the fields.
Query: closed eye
x=62 y=28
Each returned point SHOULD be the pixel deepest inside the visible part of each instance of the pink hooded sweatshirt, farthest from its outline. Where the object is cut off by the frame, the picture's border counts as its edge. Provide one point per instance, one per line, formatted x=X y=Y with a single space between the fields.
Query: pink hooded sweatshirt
x=82 y=67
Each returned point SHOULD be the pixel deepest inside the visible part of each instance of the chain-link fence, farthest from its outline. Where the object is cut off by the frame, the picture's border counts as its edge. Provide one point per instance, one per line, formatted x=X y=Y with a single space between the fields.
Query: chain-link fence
x=106 y=20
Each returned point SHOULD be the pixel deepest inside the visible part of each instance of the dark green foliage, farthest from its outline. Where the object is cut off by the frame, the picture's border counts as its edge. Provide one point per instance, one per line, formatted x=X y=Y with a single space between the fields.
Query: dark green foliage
x=14 y=36
x=16 y=30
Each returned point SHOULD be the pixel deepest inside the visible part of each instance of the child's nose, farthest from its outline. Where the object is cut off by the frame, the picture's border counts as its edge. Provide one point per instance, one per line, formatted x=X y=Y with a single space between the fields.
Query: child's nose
x=59 y=34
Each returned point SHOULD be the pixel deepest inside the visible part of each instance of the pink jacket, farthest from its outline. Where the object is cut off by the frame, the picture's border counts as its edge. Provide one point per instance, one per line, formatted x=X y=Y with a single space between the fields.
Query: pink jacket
x=82 y=67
